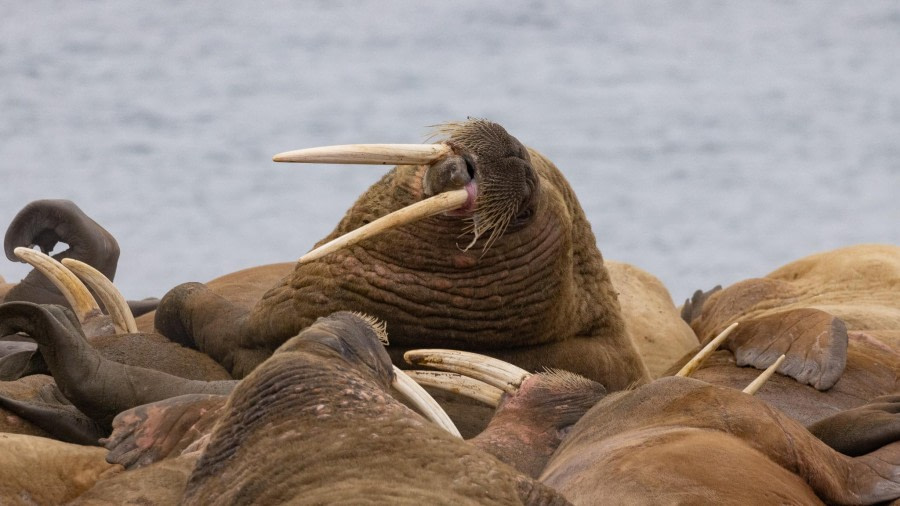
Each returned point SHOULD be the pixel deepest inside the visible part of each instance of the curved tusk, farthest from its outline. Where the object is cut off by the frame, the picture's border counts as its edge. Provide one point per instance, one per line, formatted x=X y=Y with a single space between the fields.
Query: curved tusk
x=458 y=384
x=756 y=384
x=367 y=154
x=440 y=203
x=423 y=402
x=704 y=354
x=69 y=285
x=492 y=371
x=109 y=295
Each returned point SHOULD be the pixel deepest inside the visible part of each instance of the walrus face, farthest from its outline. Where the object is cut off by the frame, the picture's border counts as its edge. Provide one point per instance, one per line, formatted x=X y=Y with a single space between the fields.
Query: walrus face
x=495 y=170
x=359 y=339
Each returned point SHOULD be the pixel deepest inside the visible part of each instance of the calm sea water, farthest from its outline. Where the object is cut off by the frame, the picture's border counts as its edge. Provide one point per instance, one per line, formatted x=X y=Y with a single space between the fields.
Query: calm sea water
x=707 y=141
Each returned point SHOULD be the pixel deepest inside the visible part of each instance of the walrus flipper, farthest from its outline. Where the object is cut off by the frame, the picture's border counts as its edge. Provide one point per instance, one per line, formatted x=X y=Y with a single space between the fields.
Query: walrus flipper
x=20 y=358
x=53 y=413
x=152 y=432
x=861 y=430
x=814 y=341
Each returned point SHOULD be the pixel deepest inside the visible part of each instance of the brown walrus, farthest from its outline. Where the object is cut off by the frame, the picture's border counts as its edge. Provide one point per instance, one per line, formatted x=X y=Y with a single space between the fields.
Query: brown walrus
x=316 y=423
x=513 y=272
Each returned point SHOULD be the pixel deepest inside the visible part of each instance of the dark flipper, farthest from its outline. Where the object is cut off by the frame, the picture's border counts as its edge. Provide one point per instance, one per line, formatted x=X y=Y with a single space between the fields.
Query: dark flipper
x=45 y=223
x=53 y=413
x=20 y=358
x=862 y=430
x=693 y=307
x=97 y=386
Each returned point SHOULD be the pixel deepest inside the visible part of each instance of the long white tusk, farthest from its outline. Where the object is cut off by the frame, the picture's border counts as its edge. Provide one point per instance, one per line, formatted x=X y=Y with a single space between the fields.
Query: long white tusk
x=424 y=402
x=69 y=285
x=368 y=154
x=440 y=203
x=459 y=384
x=492 y=371
x=703 y=354
x=109 y=295
x=756 y=384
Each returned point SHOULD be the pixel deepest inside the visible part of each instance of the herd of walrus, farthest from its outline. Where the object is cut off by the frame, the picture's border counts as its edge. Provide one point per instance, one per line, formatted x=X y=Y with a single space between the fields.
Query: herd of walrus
x=457 y=339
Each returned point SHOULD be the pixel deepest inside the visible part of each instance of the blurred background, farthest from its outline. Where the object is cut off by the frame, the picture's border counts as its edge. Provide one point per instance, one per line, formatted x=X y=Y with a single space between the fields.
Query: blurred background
x=707 y=141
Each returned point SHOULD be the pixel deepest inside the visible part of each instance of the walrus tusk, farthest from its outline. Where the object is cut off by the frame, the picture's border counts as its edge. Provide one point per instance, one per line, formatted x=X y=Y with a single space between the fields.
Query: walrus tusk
x=440 y=203
x=69 y=285
x=109 y=295
x=498 y=373
x=459 y=384
x=756 y=384
x=367 y=154
x=703 y=354
x=423 y=401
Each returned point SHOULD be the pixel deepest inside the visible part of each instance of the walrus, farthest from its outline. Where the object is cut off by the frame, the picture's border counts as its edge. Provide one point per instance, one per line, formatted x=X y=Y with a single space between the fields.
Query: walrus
x=510 y=268
x=683 y=440
x=316 y=423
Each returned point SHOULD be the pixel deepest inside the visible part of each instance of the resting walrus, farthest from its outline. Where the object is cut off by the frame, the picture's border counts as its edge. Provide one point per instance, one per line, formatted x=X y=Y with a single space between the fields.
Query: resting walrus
x=512 y=270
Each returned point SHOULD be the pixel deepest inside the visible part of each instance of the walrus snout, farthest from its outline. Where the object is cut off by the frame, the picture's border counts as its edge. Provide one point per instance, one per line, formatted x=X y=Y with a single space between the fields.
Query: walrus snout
x=451 y=173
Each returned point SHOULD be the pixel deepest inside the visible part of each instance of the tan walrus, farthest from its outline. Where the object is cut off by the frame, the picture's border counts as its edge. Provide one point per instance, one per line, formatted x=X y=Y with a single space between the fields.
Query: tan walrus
x=509 y=267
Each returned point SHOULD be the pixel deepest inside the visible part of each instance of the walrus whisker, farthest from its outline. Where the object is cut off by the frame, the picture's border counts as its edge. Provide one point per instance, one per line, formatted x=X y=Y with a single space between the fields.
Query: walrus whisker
x=492 y=371
x=440 y=203
x=78 y=296
x=458 y=384
x=756 y=384
x=109 y=295
x=367 y=154
x=424 y=402
x=707 y=350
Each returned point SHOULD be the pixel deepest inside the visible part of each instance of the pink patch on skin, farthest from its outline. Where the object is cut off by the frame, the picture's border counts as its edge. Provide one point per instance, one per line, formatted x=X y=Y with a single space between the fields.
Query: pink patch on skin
x=469 y=207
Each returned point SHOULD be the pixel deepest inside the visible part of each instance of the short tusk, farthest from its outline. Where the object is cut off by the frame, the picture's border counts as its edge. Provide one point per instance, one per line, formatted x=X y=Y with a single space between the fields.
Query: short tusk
x=69 y=285
x=704 y=354
x=492 y=371
x=756 y=384
x=458 y=384
x=368 y=154
x=109 y=295
x=423 y=402
x=440 y=203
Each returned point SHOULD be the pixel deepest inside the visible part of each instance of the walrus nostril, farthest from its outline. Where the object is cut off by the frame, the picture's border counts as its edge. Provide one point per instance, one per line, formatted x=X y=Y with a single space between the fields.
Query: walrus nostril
x=452 y=173
x=470 y=168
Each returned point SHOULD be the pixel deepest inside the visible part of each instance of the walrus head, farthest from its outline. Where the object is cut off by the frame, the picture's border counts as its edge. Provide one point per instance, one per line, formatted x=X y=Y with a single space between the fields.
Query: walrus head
x=495 y=170
x=478 y=171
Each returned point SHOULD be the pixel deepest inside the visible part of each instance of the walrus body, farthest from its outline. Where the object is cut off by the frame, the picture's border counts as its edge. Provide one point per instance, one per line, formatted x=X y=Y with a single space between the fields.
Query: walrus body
x=680 y=440
x=316 y=424
x=536 y=294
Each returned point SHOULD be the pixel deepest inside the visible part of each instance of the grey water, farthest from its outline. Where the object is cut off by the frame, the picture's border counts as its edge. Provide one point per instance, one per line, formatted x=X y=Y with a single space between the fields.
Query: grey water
x=708 y=141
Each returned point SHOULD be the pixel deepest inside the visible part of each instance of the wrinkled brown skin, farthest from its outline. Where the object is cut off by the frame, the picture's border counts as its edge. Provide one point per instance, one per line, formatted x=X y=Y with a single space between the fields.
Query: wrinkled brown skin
x=44 y=223
x=856 y=286
x=680 y=440
x=316 y=424
x=529 y=425
x=659 y=333
x=36 y=470
x=539 y=296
